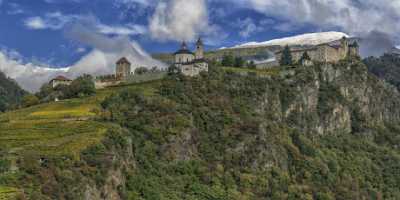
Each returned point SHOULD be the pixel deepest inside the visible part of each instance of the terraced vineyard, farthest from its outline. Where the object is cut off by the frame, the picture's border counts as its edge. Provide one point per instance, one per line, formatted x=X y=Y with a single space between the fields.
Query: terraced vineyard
x=63 y=128
x=8 y=193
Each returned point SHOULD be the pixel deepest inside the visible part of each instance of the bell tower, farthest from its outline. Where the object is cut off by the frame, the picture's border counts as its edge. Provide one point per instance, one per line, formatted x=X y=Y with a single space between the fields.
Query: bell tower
x=123 y=68
x=199 y=54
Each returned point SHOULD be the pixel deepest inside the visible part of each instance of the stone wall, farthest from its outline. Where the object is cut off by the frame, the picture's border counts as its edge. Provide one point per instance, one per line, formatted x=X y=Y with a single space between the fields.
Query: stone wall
x=184 y=58
x=150 y=76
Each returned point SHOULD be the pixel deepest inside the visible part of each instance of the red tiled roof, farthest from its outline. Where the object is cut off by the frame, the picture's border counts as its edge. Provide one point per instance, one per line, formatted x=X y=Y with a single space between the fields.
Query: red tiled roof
x=60 y=78
x=123 y=60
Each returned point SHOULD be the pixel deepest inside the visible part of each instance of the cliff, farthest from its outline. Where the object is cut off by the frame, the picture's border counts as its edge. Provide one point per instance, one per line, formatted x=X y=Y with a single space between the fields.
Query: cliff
x=323 y=132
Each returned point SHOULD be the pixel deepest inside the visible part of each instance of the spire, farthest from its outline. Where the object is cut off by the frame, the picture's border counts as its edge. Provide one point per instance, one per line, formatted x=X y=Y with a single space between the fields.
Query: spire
x=183 y=46
x=199 y=42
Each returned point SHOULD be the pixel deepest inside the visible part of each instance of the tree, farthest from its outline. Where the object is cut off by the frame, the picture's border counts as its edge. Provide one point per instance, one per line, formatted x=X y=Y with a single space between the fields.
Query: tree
x=82 y=86
x=141 y=70
x=239 y=62
x=251 y=65
x=228 y=61
x=29 y=100
x=45 y=91
x=172 y=70
x=286 y=58
x=305 y=56
x=3 y=105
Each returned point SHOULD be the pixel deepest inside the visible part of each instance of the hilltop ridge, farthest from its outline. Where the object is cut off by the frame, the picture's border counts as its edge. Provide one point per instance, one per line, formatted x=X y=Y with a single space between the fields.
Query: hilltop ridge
x=303 y=39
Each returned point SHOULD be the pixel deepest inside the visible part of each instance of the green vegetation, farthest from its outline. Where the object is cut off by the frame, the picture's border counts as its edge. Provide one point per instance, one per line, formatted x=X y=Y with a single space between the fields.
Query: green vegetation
x=50 y=140
x=8 y=193
x=10 y=93
x=286 y=59
x=80 y=87
x=228 y=60
x=205 y=138
x=29 y=100
x=232 y=133
x=239 y=62
x=272 y=71
x=386 y=67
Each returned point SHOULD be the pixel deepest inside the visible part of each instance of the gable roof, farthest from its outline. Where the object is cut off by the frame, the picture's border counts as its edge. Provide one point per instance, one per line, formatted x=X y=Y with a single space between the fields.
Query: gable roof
x=123 y=60
x=60 y=78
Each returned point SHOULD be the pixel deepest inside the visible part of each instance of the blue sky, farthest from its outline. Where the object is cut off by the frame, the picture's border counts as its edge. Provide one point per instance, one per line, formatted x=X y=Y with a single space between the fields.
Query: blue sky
x=88 y=35
x=36 y=28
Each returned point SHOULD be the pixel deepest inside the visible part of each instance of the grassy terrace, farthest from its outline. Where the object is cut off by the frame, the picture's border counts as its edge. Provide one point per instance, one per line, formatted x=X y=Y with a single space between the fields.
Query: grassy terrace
x=261 y=72
x=58 y=128
x=7 y=193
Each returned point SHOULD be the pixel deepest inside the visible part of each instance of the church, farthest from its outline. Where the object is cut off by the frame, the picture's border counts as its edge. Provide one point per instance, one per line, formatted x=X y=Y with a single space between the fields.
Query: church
x=189 y=63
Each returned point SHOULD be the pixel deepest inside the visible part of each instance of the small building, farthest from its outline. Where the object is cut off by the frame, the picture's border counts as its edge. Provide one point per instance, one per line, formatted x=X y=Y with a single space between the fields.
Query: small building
x=124 y=75
x=328 y=52
x=188 y=63
x=123 y=68
x=60 y=80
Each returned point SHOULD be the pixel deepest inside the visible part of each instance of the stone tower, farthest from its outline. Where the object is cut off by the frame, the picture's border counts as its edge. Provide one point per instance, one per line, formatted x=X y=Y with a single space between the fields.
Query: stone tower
x=199 y=54
x=354 y=49
x=344 y=50
x=123 y=68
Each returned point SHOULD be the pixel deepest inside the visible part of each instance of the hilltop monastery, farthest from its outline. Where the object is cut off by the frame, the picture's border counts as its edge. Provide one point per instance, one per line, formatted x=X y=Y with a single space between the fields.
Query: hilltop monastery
x=192 y=64
x=328 y=52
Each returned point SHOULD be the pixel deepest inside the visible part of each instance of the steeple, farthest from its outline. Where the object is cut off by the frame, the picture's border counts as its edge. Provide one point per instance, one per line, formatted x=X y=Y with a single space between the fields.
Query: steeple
x=199 y=42
x=199 y=49
x=183 y=46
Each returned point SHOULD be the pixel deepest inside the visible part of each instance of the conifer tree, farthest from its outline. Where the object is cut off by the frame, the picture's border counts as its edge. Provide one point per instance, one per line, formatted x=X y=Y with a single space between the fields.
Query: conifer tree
x=251 y=65
x=286 y=57
x=305 y=56
x=239 y=62
x=228 y=61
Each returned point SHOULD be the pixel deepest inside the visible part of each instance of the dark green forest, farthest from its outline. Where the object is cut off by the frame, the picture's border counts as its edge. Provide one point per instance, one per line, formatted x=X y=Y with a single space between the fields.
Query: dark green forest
x=386 y=67
x=205 y=138
x=10 y=93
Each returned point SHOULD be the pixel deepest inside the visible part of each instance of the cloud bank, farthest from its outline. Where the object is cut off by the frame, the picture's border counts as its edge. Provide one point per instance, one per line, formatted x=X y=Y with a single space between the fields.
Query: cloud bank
x=101 y=60
x=356 y=17
x=179 y=20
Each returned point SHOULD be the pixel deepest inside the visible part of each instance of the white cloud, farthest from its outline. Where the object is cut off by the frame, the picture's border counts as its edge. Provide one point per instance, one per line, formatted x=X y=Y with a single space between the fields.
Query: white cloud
x=130 y=29
x=35 y=23
x=28 y=75
x=80 y=50
x=14 y=9
x=248 y=27
x=179 y=20
x=54 y=21
x=57 y=21
x=355 y=17
x=100 y=61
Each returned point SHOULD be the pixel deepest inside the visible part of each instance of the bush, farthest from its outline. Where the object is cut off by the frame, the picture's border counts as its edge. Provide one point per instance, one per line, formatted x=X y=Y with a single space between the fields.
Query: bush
x=4 y=165
x=29 y=100
x=141 y=70
x=80 y=87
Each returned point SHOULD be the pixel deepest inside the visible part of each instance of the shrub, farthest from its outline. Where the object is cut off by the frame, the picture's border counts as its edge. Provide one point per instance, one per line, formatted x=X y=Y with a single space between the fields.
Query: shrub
x=29 y=100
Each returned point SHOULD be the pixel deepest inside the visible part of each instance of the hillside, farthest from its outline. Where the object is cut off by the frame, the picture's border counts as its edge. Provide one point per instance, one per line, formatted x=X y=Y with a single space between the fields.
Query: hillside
x=10 y=92
x=321 y=132
x=386 y=67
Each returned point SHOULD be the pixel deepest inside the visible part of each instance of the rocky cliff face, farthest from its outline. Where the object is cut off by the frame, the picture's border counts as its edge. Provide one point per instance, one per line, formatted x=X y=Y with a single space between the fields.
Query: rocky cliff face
x=297 y=133
x=250 y=124
x=332 y=99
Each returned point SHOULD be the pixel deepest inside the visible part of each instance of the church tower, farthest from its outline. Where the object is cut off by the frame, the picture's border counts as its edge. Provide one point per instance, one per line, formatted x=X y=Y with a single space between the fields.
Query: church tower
x=199 y=54
x=123 y=68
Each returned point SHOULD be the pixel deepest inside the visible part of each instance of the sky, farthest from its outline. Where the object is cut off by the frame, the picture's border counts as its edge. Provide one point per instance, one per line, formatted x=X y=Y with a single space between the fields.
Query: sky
x=42 y=38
